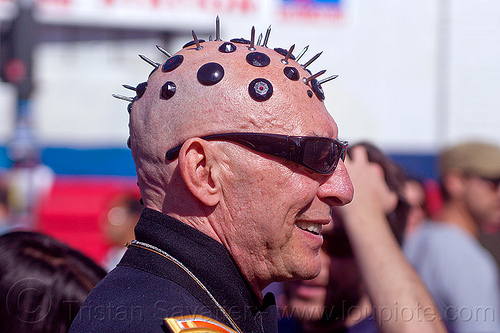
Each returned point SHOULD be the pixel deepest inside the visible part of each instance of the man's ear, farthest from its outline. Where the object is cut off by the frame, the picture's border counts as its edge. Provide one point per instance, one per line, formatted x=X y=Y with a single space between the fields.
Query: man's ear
x=197 y=166
x=454 y=183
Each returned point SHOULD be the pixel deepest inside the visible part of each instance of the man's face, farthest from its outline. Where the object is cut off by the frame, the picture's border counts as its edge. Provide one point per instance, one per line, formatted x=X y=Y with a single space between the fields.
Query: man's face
x=482 y=199
x=278 y=208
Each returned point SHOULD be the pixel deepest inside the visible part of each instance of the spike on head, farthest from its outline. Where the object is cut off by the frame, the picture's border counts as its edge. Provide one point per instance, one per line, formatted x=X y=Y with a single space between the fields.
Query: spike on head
x=149 y=61
x=332 y=77
x=288 y=54
x=217 y=29
x=252 y=40
x=162 y=50
x=266 y=38
x=123 y=98
x=304 y=50
x=126 y=86
x=259 y=39
x=312 y=59
x=312 y=77
x=197 y=42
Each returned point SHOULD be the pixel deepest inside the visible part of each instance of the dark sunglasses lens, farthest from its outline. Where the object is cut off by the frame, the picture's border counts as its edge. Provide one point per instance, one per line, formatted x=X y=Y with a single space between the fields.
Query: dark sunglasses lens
x=320 y=154
x=495 y=182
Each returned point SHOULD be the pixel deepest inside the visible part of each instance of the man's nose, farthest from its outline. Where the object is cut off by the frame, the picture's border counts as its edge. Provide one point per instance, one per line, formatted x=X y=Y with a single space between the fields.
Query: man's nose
x=337 y=189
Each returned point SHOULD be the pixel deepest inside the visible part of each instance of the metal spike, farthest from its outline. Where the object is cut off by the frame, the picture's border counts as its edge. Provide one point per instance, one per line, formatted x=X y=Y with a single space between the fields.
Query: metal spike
x=259 y=39
x=252 y=40
x=210 y=38
x=266 y=39
x=128 y=87
x=327 y=79
x=288 y=54
x=217 y=29
x=195 y=38
x=162 y=50
x=312 y=77
x=304 y=50
x=312 y=59
x=149 y=61
x=125 y=98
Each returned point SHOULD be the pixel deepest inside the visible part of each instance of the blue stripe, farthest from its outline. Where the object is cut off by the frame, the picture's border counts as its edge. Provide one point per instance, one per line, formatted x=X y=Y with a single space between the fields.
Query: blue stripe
x=119 y=162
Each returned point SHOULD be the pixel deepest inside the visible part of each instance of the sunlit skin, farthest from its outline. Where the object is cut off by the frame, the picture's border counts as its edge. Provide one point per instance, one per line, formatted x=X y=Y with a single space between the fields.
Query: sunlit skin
x=250 y=202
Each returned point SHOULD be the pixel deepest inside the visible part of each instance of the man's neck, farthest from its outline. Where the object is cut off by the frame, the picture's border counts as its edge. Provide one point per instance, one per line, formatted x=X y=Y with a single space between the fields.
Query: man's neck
x=459 y=216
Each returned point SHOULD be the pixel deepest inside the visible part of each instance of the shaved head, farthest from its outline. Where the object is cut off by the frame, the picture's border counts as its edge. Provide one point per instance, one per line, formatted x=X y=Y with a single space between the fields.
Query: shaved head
x=264 y=185
x=222 y=87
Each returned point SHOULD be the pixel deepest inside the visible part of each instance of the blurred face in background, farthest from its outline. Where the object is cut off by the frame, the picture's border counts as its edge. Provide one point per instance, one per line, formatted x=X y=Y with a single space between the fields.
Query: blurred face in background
x=482 y=197
x=416 y=198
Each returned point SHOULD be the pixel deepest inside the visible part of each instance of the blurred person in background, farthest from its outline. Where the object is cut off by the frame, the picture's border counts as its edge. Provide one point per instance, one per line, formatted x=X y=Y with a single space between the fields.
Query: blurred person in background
x=43 y=283
x=28 y=182
x=460 y=274
x=365 y=282
x=414 y=193
x=118 y=226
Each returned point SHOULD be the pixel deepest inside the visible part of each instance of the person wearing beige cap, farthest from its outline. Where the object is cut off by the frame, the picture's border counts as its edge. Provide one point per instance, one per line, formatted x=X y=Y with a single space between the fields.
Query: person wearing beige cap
x=460 y=274
x=238 y=164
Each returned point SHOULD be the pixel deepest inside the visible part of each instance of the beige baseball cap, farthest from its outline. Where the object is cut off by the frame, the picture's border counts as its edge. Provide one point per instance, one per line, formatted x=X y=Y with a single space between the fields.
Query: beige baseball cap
x=475 y=157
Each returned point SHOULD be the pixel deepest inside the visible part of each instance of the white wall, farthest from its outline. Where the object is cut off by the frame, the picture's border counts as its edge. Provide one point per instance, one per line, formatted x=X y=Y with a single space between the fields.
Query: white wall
x=402 y=84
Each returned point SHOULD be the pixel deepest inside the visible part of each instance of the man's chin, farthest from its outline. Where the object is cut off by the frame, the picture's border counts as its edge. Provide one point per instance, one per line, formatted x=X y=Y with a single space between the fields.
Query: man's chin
x=308 y=274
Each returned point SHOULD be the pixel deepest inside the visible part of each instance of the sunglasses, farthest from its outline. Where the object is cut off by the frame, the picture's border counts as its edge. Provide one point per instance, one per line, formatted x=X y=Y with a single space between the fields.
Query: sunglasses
x=494 y=182
x=316 y=153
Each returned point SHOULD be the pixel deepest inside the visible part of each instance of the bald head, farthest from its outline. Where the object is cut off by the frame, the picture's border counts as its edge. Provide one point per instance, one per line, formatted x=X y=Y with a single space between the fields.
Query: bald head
x=219 y=88
x=264 y=186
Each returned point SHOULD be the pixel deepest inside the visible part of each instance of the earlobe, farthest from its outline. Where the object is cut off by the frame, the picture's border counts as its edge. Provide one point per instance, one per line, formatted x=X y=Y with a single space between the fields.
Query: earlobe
x=196 y=165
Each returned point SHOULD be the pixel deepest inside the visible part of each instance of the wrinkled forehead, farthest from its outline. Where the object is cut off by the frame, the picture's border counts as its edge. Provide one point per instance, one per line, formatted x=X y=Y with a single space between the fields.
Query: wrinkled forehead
x=239 y=84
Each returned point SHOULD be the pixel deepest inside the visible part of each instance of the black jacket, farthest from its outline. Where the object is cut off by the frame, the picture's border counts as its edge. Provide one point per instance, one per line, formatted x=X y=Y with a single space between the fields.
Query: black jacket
x=147 y=287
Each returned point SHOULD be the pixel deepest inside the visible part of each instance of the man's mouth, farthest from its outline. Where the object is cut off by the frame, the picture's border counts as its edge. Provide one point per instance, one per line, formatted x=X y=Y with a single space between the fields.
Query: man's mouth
x=314 y=228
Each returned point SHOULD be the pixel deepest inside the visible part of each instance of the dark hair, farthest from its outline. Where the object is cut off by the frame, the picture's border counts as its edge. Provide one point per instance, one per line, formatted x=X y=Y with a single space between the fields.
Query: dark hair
x=395 y=179
x=43 y=282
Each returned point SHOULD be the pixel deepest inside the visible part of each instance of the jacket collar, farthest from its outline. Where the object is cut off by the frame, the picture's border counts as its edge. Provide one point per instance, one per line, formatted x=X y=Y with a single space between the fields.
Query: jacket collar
x=211 y=263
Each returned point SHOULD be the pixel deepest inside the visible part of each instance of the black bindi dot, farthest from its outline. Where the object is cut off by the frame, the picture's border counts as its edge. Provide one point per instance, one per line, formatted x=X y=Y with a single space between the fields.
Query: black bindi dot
x=283 y=52
x=316 y=87
x=292 y=73
x=191 y=43
x=258 y=59
x=141 y=89
x=240 y=41
x=168 y=90
x=310 y=93
x=260 y=89
x=227 y=47
x=172 y=63
x=209 y=74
